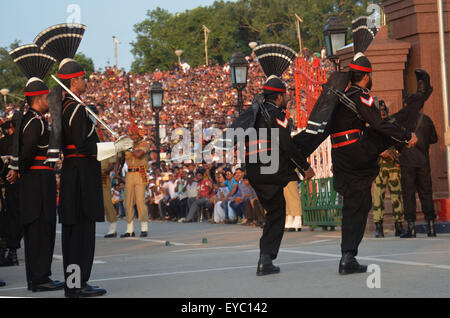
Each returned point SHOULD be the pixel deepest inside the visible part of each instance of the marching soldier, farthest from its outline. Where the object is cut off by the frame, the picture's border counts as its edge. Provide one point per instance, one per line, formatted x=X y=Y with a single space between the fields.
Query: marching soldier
x=389 y=176
x=37 y=185
x=269 y=187
x=136 y=183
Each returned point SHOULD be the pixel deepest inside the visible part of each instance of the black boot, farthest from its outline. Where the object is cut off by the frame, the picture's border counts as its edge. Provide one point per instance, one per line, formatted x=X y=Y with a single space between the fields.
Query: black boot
x=349 y=265
x=423 y=83
x=431 y=228
x=379 y=230
x=2 y=283
x=410 y=231
x=398 y=229
x=266 y=267
x=11 y=259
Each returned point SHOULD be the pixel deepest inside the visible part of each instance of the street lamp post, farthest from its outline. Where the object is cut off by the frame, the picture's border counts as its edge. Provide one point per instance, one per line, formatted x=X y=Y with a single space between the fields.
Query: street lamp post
x=335 y=34
x=157 y=97
x=4 y=92
x=239 y=73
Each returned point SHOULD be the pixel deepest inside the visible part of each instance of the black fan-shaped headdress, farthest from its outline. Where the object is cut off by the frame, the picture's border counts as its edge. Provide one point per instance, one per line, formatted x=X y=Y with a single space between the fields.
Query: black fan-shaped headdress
x=31 y=61
x=275 y=59
x=61 y=41
x=34 y=65
x=364 y=32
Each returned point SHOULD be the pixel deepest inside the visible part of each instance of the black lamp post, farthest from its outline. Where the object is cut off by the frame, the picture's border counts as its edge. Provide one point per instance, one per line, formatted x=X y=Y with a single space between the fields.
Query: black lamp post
x=239 y=73
x=335 y=34
x=157 y=97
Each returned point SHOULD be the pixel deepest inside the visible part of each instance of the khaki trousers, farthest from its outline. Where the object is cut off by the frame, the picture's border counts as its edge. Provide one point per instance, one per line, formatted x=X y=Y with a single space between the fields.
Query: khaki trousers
x=292 y=197
x=110 y=212
x=135 y=195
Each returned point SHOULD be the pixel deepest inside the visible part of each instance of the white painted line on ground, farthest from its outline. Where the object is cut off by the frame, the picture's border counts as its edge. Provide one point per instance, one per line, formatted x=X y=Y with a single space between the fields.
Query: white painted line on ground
x=374 y=259
x=60 y=258
x=318 y=241
x=185 y=272
x=162 y=242
x=212 y=248
x=205 y=271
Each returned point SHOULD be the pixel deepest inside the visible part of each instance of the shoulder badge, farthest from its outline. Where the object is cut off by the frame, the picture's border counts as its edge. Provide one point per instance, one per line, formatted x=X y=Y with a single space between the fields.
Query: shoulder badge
x=284 y=123
x=369 y=102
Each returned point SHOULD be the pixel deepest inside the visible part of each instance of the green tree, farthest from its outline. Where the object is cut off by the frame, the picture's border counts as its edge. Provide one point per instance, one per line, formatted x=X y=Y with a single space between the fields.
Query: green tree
x=10 y=75
x=243 y=21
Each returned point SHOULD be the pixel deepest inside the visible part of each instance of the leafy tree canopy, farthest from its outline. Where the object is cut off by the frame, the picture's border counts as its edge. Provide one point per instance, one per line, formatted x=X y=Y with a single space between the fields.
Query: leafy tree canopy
x=243 y=21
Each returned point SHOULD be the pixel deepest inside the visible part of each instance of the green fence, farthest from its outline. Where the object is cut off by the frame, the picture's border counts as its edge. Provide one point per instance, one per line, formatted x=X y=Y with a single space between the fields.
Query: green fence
x=322 y=206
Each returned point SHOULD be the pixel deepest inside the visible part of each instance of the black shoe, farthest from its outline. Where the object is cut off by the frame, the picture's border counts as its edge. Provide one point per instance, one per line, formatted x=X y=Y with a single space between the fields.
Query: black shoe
x=11 y=259
x=291 y=230
x=349 y=265
x=410 y=231
x=266 y=267
x=86 y=292
x=128 y=235
x=431 y=228
x=47 y=287
x=144 y=234
x=379 y=232
x=398 y=229
x=2 y=283
x=113 y=235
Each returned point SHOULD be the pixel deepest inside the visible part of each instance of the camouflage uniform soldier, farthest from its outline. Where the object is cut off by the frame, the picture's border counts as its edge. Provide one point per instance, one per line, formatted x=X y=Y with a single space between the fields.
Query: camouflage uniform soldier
x=389 y=176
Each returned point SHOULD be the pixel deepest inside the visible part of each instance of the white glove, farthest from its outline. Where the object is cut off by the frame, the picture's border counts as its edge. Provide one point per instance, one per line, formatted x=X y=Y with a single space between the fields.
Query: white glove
x=124 y=143
x=106 y=150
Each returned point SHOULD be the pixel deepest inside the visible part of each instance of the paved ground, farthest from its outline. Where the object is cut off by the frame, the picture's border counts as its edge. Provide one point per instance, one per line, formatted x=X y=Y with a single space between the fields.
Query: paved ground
x=226 y=266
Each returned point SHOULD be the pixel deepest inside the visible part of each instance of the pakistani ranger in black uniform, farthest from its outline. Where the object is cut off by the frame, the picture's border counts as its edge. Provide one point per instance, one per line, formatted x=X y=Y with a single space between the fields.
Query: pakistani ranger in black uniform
x=269 y=185
x=37 y=184
x=81 y=199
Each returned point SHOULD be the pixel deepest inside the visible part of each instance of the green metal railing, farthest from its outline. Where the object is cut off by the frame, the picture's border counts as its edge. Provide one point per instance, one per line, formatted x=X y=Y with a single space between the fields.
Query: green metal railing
x=322 y=206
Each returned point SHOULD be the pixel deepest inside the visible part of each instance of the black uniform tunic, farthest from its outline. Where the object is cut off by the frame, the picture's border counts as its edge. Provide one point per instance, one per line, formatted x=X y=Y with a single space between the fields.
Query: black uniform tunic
x=269 y=187
x=81 y=197
x=38 y=192
x=355 y=160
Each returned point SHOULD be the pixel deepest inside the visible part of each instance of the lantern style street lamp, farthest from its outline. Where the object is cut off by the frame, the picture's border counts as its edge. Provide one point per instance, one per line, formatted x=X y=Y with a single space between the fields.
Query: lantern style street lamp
x=239 y=73
x=157 y=98
x=335 y=34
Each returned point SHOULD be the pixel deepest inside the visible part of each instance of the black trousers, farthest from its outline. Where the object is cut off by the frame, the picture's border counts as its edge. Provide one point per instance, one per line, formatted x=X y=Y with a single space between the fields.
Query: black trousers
x=357 y=204
x=78 y=247
x=14 y=230
x=272 y=199
x=417 y=180
x=39 y=239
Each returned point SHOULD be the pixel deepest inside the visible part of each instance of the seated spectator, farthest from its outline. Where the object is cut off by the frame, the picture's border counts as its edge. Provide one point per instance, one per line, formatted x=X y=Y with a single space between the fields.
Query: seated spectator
x=172 y=201
x=222 y=192
x=237 y=203
x=150 y=200
x=191 y=190
x=232 y=185
x=204 y=188
x=254 y=211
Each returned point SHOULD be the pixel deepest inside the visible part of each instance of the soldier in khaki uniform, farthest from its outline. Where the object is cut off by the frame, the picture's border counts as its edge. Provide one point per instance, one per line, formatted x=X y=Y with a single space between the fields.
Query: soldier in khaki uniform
x=110 y=212
x=293 y=207
x=135 y=183
x=389 y=176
